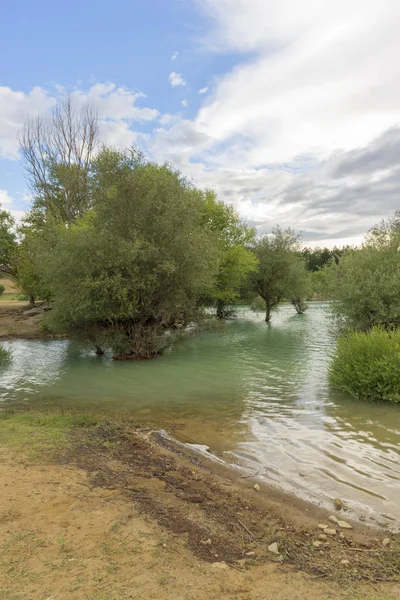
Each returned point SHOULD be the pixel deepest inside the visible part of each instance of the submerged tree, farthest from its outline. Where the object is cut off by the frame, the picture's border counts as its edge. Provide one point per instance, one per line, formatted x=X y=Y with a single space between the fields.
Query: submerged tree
x=136 y=264
x=235 y=258
x=280 y=273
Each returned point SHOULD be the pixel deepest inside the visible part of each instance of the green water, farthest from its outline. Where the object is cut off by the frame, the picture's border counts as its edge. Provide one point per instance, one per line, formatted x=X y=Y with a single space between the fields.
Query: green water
x=256 y=395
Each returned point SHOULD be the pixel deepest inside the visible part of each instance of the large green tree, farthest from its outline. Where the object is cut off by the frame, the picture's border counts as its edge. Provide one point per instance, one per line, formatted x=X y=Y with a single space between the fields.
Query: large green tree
x=365 y=284
x=281 y=271
x=8 y=243
x=235 y=258
x=136 y=264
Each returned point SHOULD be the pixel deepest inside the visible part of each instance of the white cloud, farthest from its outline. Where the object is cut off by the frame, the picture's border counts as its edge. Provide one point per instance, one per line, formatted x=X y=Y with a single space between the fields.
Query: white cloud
x=117 y=108
x=5 y=198
x=203 y=90
x=176 y=79
x=184 y=103
x=175 y=56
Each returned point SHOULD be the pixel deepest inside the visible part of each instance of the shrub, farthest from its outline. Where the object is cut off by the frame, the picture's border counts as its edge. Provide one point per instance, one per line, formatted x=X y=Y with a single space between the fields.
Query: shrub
x=258 y=304
x=5 y=355
x=367 y=365
x=2 y=288
x=23 y=298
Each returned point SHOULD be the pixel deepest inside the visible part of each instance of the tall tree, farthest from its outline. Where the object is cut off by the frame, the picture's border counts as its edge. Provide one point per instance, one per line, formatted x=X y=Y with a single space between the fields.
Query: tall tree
x=57 y=157
x=136 y=264
x=8 y=244
x=366 y=281
x=235 y=258
x=280 y=273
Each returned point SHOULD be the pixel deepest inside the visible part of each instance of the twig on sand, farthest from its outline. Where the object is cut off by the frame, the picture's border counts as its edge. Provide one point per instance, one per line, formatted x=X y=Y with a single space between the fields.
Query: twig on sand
x=250 y=533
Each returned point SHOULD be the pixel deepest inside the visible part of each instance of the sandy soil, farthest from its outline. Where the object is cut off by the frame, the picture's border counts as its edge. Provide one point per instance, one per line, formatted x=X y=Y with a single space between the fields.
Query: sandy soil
x=135 y=516
x=15 y=325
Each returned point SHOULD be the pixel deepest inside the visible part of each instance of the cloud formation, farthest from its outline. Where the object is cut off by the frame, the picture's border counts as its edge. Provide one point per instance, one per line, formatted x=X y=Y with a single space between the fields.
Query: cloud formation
x=176 y=79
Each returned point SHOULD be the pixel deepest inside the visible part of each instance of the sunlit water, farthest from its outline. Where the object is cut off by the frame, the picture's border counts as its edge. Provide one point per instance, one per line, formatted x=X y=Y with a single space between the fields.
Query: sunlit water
x=257 y=395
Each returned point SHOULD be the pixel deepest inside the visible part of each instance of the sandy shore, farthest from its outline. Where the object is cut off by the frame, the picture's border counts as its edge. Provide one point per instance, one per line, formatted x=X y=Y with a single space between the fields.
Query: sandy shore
x=124 y=513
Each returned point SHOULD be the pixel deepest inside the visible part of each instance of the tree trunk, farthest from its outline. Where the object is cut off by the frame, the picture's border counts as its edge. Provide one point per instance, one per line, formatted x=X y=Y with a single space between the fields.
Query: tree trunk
x=220 y=309
x=31 y=301
x=268 y=314
x=99 y=351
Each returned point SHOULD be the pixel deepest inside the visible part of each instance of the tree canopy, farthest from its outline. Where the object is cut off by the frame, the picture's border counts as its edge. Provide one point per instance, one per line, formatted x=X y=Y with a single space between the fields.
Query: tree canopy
x=280 y=272
x=366 y=281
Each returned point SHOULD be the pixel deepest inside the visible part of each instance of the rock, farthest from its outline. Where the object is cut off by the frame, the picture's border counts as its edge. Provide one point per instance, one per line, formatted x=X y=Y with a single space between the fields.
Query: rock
x=323 y=537
x=334 y=519
x=317 y=544
x=344 y=525
x=164 y=545
x=330 y=531
x=250 y=554
x=206 y=542
x=33 y=312
x=338 y=503
x=386 y=542
x=257 y=487
x=323 y=526
x=273 y=548
x=241 y=562
x=344 y=562
x=220 y=565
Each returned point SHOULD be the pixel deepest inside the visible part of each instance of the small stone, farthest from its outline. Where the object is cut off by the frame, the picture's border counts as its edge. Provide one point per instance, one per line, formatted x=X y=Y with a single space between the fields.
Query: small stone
x=323 y=537
x=330 y=531
x=344 y=525
x=206 y=542
x=220 y=565
x=334 y=519
x=386 y=542
x=250 y=554
x=341 y=535
x=338 y=503
x=344 y=562
x=302 y=474
x=164 y=545
x=273 y=548
x=317 y=544
x=241 y=562
x=257 y=487
x=323 y=526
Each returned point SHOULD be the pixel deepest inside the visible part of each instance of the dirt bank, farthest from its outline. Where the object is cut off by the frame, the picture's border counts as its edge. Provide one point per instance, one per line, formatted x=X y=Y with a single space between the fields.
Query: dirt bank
x=115 y=513
x=15 y=325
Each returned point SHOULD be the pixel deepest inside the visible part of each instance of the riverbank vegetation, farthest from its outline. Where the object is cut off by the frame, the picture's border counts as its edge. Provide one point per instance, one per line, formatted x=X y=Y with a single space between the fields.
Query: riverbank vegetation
x=365 y=285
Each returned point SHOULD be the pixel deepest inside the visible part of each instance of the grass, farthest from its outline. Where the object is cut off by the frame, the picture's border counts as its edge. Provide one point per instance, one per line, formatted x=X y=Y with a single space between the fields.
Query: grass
x=40 y=433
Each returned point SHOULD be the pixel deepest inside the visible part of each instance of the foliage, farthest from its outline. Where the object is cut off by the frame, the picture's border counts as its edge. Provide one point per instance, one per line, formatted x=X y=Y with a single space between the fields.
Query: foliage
x=136 y=264
x=367 y=365
x=316 y=258
x=2 y=288
x=366 y=282
x=235 y=258
x=5 y=355
x=258 y=304
x=7 y=243
x=280 y=273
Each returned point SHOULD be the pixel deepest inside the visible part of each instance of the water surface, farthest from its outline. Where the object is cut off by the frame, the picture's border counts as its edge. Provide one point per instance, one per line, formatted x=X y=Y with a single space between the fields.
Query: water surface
x=257 y=395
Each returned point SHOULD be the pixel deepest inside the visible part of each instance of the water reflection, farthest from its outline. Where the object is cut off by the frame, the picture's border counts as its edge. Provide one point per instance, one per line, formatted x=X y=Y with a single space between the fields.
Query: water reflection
x=256 y=394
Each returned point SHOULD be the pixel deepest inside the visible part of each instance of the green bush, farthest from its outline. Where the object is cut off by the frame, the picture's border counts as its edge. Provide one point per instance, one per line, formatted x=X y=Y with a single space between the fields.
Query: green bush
x=367 y=365
x=5 y=355
x=2 y=288
x=258 y=304
x=23 y=298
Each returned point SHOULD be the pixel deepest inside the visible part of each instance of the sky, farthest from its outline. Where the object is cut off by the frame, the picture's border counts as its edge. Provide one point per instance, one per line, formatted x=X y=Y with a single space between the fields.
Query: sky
x=289 y=110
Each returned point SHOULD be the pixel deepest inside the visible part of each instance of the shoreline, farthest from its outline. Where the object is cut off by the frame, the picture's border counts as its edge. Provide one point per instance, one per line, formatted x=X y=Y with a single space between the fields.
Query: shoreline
x=213 y=511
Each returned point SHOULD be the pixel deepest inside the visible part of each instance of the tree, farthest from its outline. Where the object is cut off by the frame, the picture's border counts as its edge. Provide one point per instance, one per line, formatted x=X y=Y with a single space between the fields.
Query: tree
x=8 y=243
x=57 y=158
x=366 y=281
x=236 y=260
x=280 y=273
x=136 y=264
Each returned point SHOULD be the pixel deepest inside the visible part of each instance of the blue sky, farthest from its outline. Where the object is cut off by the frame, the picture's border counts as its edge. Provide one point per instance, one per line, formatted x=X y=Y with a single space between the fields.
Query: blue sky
x=291 y=95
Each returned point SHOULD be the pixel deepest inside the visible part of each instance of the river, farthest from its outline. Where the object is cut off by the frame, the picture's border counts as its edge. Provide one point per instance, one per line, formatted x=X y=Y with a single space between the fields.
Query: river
x=256 y=395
